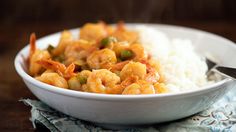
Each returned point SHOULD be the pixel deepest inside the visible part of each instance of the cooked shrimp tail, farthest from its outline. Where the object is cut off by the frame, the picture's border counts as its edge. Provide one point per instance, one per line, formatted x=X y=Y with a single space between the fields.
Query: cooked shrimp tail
x=121 y=26
x=58 y=67
x=35 y=55
x=69 y=72
x=32 y=44
x=53 y=65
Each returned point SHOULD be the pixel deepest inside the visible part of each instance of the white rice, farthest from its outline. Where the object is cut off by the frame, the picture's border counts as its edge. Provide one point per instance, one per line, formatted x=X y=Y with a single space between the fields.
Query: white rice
x=182 y=68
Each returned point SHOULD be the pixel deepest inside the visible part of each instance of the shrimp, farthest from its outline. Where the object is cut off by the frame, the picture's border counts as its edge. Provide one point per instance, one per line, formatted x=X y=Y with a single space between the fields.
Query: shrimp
x=160 y=88
x=93 y=32
x=152 y=75
x=139 y=51
x=78 y=51
x=101 y=59
x=122 y=34
x=118 y=66
x=156 y=65
x=109 y=29
x=74 y=84
x=79 y=81
x=140 y=87
x=133 y=69
x=119 y=46
x=85 y=73
x=35 y=55
x=66 y=38
x=118 y=89
x=54 y=79
x=32 y=44
x=60 y=68
x=100 y=80
x=69 y=72
x=83 y=76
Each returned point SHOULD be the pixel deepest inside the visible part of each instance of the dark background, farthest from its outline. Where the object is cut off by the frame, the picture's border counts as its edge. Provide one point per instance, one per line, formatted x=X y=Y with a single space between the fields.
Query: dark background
x=21 y=17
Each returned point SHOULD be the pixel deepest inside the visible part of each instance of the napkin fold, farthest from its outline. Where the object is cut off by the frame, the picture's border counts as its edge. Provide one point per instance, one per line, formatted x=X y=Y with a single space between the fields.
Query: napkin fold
x=220 y=117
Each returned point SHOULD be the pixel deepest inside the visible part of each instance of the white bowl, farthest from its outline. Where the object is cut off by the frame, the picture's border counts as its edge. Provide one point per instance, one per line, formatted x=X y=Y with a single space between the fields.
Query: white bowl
x=136 y=109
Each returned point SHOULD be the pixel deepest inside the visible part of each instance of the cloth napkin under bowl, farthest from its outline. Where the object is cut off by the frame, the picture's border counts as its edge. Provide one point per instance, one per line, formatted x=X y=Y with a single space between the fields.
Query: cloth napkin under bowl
x=221 y=117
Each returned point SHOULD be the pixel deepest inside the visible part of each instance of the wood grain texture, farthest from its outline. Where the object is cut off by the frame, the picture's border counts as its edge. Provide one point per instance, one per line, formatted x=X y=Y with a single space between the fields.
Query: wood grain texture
x=19 y=19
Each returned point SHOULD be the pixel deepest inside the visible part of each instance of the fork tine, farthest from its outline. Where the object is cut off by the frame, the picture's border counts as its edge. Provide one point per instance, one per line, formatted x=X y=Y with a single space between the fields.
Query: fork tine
x=210 y=64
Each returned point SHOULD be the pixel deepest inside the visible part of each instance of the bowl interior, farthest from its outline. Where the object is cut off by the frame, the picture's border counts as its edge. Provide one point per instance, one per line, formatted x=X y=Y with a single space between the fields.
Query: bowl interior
x=222 y=49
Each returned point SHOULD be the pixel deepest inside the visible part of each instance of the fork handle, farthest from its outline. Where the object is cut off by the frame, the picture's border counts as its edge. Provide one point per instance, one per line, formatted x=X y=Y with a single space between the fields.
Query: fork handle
x=226 y=71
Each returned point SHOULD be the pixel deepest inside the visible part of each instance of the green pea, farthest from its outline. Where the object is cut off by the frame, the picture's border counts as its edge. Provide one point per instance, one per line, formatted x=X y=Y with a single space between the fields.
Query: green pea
x=126 y=54
x=82 y=80
x=50 y=48
x=106 y=41
x=59 y=58
x=74 y=83
x=117 y=73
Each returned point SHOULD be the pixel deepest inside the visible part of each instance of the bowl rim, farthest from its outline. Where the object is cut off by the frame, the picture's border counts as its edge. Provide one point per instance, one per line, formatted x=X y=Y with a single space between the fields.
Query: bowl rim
x=97 y=96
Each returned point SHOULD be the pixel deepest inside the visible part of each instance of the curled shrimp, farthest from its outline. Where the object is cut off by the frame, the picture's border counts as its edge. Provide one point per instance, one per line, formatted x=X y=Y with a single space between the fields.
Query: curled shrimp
x=152 y=75
x=100 y=80
x=78 y=51
x=133 y=69
x=53 y=78
x=84 y=76
x=79 y=82
x=160 y=88
x=140 y=87
x=60 y=68
x=65 y=40
x=119 y=66
x=74 y=84
x=122 y=34
x=139 y=52
x=85 y=73
x=119 y=46
x=36 y=55
x=101 y=59
x=156 y=65
x=93 y=32
x=109 y=29
x=118 y=89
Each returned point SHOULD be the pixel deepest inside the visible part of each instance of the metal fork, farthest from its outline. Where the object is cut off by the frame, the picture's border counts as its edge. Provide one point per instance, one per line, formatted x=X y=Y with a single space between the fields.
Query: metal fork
x=222 y=70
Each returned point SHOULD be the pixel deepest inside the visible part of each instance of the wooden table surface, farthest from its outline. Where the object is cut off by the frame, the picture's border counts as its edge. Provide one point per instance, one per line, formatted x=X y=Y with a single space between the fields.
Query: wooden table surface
x=14 y=114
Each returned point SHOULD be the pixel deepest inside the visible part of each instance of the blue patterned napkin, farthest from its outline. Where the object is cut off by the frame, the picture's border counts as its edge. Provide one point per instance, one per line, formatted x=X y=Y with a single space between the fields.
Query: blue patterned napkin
x=220 y=117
